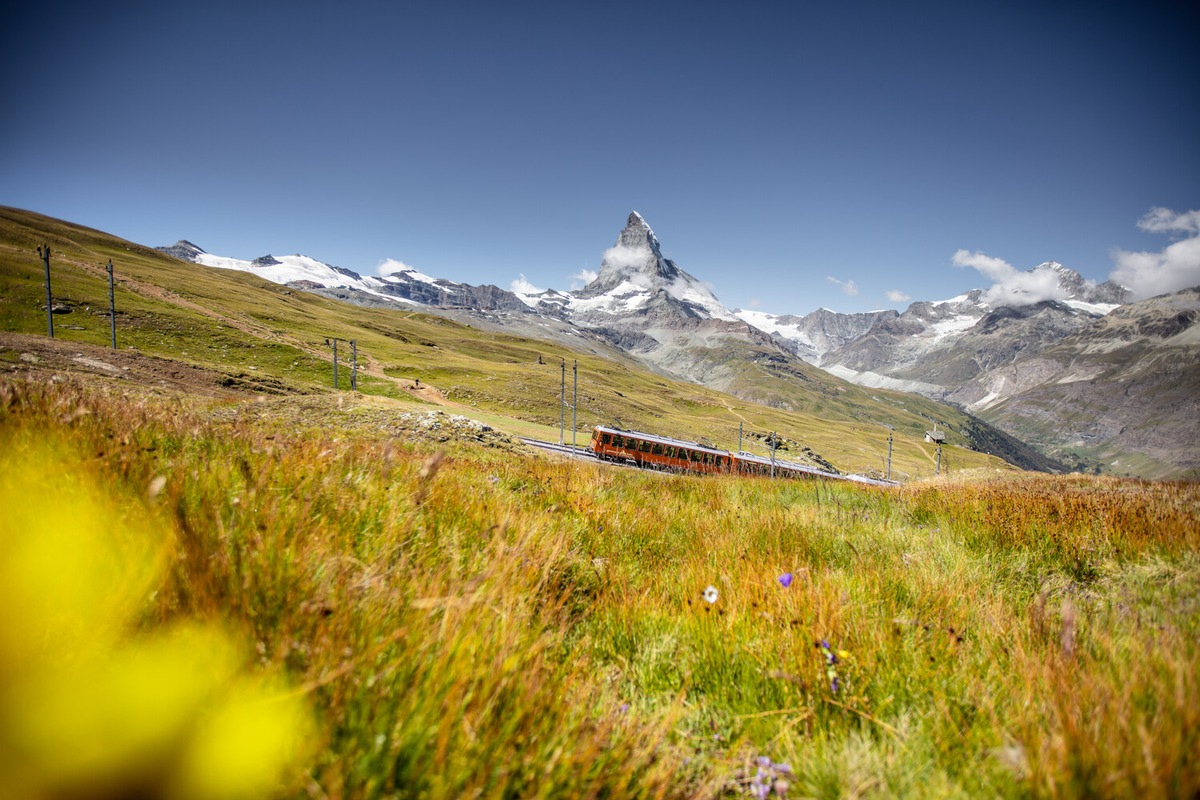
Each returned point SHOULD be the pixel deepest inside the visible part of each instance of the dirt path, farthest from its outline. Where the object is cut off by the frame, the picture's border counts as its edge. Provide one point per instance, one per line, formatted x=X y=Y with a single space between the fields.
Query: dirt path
x=729 y=408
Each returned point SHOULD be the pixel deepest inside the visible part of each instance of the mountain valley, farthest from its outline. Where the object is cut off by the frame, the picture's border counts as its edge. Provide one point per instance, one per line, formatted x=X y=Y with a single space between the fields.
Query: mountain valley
x=981 y=353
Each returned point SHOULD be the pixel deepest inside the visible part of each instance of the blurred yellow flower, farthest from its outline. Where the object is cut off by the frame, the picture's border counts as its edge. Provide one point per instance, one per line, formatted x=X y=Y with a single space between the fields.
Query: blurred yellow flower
x=90 y=704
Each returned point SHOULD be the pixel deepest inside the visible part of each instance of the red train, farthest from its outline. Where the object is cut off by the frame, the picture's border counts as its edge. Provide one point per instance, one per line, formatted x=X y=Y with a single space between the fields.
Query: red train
x=660 y=452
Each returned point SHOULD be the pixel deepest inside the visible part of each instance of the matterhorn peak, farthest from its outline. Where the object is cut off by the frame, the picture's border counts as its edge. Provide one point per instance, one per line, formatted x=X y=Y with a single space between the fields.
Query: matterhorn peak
x=638 y=235
x=634 y=259
x=634 y=276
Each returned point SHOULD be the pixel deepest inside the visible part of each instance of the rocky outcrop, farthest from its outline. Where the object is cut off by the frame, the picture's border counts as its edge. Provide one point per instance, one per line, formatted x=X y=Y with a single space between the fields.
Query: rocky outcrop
x=183 y=250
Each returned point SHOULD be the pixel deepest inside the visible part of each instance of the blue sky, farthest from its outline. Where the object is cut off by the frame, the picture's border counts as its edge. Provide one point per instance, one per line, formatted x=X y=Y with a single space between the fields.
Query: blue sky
x=792 y=155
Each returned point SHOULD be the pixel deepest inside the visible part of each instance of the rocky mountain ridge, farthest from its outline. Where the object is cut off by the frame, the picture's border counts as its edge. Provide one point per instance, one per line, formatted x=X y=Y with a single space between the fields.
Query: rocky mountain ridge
x=1120 y=394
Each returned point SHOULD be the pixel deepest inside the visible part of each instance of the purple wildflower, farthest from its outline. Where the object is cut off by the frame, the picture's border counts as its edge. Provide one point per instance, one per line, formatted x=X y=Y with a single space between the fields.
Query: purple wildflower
x=785 y=579
x=769 y=778
x=831 y=661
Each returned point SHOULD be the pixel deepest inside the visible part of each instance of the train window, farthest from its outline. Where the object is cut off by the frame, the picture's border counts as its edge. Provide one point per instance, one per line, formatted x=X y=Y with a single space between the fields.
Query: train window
x=656 y=449
x=644 y=446
x=605 y=438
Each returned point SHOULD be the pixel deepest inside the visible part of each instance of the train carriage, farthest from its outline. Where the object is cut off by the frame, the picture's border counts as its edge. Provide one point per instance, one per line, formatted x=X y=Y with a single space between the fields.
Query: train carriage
x=661 y=452
x=658 y=452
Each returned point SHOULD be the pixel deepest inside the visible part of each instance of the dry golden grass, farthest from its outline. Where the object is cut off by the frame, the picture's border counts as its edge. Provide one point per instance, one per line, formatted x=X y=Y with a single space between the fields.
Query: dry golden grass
x=465 y=620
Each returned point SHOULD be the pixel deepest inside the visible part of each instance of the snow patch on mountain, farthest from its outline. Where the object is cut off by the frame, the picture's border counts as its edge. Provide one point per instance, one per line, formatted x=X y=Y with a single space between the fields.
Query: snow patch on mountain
x=775 y=325
x=874 y=380
x=1095 y=309
x=405 y=272
x=688 y=290
x=297 y=268
x=950 y=327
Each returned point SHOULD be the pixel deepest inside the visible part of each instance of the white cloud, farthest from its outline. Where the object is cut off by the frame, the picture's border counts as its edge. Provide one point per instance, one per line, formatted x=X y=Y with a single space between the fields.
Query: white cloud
x=1164 y=220
x=522 y=286
x=582 y=278
x=390 y=265
x=849 y=288
x=625 y=257
x=1176 y=267
x=1010 y=286
x=897 y=296
x=997 y=269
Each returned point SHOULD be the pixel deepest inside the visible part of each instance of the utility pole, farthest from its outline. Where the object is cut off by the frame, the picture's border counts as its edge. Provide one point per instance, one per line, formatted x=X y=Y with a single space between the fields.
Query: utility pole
x=112 y=307
x=574 y=400
x=773 y=441
x=354 y=365
x=44 y=252
x=739 y=437
x=889 y=470
x=562 y=402
x=939 y=459
x=334 y=342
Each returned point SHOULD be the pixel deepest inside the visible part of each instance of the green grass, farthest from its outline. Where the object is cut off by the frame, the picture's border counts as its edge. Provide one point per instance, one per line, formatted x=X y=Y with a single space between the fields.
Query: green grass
x=469 y=620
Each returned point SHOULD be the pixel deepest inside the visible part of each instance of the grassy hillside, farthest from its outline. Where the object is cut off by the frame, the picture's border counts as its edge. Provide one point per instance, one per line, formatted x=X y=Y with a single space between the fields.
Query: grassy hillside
x=316 y=595
x=259 y=337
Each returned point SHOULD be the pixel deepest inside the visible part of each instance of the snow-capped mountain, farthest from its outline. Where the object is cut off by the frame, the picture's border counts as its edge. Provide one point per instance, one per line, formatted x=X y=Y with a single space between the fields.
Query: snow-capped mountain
x=640 y=303
x=934 y=347
x=815 y=334
x=647 y=305
x=407 y=287
x=826 y=338
x=635 y=279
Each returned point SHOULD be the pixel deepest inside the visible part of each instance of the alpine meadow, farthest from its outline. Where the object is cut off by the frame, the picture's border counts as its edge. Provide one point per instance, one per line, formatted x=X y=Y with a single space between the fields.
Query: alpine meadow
x=226 y=577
